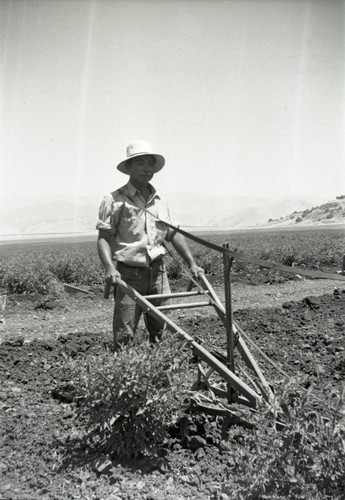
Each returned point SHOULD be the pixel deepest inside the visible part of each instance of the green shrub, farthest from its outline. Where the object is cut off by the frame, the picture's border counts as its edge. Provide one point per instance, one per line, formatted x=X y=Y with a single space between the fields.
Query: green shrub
x=73 y=267
x=288 y=260
x=131 y=398
x=21 y=278
x=79 y=263
x=209 y=260
x=303 y=460
x=175 y=269
x=40 y=270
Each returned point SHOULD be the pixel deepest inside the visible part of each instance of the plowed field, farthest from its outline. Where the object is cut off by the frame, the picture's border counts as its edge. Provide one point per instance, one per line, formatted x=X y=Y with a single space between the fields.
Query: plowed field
x=301 y=330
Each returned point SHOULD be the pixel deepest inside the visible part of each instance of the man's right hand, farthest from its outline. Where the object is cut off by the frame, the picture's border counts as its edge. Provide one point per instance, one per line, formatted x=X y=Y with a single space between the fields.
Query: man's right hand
x=111 y=276
x=110 y=280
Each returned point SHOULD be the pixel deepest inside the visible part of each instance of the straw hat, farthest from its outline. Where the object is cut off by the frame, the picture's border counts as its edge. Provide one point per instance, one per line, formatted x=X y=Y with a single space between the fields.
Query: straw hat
x=140 y=148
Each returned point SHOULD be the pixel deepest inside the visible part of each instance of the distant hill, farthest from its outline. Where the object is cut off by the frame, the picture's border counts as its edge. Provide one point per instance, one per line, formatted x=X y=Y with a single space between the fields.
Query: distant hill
x=332 y=212
x=52 y=216
x=233 y=212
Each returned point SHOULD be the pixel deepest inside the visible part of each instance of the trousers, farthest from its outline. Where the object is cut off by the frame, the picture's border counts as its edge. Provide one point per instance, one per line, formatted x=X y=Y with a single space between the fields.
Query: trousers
x=127 y=313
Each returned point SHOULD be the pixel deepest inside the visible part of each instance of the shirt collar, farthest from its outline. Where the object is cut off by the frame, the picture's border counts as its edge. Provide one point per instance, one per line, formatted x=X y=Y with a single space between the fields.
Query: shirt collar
x=132 y=191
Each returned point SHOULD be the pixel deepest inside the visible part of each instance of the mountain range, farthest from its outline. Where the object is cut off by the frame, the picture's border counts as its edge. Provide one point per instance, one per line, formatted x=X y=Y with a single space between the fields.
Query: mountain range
x=61 y=216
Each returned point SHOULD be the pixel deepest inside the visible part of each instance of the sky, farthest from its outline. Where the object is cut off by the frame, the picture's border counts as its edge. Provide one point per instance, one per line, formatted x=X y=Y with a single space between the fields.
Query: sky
x=242 y=97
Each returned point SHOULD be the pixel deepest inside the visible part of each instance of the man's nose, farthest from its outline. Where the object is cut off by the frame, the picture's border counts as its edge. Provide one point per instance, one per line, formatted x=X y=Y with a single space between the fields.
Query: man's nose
x=148 y=166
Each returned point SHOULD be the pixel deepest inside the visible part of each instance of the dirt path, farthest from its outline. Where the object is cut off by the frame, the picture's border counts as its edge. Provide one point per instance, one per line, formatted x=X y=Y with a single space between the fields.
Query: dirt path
x=22 y=319
x=273 y=295
x=246 y=296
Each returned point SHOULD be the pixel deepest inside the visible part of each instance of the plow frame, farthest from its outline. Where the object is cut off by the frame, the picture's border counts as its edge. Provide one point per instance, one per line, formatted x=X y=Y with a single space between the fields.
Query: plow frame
x=237 y=391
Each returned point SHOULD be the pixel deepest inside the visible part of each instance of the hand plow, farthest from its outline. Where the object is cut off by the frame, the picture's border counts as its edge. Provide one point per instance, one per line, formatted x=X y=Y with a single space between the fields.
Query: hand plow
x=219 y=388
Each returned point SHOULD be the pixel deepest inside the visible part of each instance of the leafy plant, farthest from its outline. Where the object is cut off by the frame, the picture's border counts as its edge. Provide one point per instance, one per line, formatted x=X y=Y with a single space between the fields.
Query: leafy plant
x=131 y=398
x=30 y=268
x=20 y=278
x=175 y=269
x=73 y=266
x=303 y=460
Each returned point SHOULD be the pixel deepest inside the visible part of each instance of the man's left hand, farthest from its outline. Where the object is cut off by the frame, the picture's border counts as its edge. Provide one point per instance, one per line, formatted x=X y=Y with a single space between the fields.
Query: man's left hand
x=195 y=270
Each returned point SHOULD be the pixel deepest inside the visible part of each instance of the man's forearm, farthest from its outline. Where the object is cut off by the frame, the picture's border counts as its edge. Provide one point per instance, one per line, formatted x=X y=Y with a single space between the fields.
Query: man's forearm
x=104 y=252
x=180 y=244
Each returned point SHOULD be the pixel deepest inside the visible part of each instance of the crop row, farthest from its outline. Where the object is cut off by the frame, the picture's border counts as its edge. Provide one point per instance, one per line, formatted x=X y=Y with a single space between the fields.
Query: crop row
x=43 y=269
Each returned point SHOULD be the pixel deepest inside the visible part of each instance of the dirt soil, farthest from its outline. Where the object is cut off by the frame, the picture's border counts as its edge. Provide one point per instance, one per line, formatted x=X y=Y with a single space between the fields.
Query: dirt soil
x=299 y=325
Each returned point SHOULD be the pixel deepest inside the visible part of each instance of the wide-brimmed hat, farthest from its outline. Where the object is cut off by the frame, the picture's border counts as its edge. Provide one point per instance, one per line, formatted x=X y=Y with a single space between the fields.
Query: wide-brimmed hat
x=140 y=148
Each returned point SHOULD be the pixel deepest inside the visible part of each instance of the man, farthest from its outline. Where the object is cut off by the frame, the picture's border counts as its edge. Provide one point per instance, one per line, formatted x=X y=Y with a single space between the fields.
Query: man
x=131 y=241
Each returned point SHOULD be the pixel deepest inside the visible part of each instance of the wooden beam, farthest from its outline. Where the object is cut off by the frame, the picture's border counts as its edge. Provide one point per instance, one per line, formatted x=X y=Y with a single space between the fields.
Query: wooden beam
x=227 y=262
x=75 y=289
x=240 y=345
x=174 y=295
x=198 y=350
x=254 y=260
x=187 y=305
x=252 y=364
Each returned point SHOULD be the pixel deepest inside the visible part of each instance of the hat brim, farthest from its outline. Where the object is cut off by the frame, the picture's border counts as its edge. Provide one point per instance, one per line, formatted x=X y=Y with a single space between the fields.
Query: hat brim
x=159 y=163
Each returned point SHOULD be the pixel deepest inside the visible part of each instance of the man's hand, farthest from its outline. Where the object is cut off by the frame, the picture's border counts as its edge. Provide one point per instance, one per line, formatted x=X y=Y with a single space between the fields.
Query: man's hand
x=195 y=270
x=111 y=276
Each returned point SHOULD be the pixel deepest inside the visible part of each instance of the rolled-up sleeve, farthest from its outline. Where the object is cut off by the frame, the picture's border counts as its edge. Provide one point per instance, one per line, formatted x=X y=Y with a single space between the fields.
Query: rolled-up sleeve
x=106 y=215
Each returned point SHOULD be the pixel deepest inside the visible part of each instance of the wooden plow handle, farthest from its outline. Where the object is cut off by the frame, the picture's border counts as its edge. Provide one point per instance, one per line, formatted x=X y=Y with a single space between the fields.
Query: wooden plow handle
x=107 y=288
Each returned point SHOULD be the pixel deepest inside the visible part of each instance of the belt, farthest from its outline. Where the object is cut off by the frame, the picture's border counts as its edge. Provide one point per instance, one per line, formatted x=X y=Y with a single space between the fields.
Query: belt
x=153 y=263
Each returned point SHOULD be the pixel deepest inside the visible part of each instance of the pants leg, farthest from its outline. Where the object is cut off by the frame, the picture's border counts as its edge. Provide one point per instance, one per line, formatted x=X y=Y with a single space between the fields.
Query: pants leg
x=159 y=284
x=127 y=312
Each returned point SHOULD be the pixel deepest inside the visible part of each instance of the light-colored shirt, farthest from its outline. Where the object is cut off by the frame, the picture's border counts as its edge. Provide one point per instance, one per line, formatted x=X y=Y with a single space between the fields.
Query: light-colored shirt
x=136 y=235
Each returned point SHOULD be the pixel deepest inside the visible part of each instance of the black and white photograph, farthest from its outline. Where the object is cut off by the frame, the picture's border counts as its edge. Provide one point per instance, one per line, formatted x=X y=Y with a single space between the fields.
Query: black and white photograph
x=172 y=249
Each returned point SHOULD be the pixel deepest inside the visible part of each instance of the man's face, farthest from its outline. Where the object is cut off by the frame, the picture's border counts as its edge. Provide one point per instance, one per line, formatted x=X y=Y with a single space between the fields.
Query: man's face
x=141 y=169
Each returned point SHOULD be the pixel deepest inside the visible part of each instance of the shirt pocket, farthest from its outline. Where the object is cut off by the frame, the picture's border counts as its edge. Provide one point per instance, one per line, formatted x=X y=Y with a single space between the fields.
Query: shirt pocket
x=129 y=229
x=132 y=226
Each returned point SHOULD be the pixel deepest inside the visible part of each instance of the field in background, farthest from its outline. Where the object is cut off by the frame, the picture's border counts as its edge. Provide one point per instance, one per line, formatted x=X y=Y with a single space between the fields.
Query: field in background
x=42 y=267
